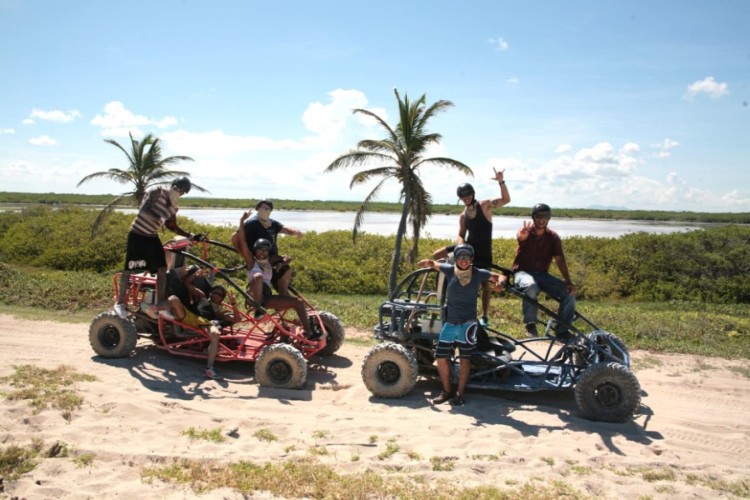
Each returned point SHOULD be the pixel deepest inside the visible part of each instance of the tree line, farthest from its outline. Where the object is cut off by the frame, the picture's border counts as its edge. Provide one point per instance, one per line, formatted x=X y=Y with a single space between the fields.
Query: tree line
x=707 y=265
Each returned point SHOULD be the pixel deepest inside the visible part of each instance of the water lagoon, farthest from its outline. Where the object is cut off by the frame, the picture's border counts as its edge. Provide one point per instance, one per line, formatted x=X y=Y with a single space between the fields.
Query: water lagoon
x=439 y=225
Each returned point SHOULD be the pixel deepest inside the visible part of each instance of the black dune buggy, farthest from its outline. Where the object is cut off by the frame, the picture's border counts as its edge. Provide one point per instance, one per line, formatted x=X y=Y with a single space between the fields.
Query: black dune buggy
x=594 y=363
x=273 y=340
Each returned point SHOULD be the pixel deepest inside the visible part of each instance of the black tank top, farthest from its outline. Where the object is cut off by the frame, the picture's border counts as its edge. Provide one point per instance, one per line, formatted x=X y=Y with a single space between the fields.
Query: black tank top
x=480 y=237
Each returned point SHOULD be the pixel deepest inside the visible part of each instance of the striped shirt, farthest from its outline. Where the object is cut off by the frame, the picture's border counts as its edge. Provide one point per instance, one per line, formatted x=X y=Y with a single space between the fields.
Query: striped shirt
x=155 y=209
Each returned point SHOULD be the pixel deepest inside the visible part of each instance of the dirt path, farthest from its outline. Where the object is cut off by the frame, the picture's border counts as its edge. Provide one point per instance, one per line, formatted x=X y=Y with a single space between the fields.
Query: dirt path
x=692 y=440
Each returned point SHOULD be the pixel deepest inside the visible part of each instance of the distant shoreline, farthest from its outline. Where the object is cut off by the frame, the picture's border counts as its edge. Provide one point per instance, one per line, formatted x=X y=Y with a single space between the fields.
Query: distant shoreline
x=12 y=200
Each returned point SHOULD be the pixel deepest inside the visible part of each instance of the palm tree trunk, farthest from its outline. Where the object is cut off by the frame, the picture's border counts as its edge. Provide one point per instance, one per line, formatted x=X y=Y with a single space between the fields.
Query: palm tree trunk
x=392 y=281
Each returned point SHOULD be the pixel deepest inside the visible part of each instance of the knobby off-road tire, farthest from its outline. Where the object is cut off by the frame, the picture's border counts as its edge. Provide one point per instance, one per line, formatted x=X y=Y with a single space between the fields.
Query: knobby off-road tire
x=334 y=329
x=111 y=336
x=608 y=392
x=389 y=370
x=281 y=365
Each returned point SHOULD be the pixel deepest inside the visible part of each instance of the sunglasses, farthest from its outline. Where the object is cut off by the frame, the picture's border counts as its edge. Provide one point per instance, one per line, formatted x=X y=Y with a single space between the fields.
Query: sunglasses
x=463 y=257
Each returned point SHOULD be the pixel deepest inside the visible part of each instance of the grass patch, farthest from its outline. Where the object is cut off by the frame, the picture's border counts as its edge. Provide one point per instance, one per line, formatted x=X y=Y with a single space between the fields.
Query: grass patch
x=740 y=370
x=391 y=448
x=443 y=464
x=84 y=460
x=307 y=478
x=265 y=435
x=739 y=488
x=16 y=461
x=44 y=388
x=215 y=435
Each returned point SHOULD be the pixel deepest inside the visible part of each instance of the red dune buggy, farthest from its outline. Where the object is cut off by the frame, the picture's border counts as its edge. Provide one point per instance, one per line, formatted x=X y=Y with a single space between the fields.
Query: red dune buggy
x=273 y=340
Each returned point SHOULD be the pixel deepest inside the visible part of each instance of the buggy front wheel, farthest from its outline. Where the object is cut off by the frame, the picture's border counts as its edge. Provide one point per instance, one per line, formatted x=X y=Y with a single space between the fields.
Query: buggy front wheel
x=608 y=392
x=389 y=370
x=281 y=365
x=111 y=336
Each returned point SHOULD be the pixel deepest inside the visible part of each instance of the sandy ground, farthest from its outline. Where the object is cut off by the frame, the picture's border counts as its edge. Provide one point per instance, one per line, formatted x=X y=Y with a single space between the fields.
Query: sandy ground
x=691 y=439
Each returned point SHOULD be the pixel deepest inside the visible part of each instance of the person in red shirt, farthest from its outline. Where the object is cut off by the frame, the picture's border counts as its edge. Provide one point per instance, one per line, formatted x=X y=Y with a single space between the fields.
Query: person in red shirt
x=537 y=246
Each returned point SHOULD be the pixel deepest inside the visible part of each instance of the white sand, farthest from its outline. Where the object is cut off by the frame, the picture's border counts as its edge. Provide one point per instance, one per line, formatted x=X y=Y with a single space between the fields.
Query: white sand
x=695 y=423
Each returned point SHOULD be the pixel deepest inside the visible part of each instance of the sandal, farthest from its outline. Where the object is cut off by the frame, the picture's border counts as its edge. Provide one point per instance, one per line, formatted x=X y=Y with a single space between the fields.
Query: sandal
x=458 y=400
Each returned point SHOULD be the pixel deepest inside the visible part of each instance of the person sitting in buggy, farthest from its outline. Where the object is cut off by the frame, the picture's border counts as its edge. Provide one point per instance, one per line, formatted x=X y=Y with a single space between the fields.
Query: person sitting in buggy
x=259 y=274
x=190 y=306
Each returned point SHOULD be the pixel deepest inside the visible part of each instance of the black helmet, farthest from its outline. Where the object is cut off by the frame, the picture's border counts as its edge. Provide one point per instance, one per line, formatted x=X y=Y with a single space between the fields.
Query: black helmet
x=182 y=184
x=264 y=202
x=262 y=244
x=465 y=189
x=463 y=249
x=541 y=208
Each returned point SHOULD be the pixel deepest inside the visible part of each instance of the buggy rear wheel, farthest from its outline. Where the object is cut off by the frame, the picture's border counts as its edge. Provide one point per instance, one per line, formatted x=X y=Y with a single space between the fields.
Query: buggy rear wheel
x=389 y=370
x=334 y=329
x=281 y=365
x=608 y=392
x=111 y=336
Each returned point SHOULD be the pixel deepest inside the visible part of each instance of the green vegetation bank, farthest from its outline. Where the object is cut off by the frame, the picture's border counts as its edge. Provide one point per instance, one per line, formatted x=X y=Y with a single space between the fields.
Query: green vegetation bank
x=685 y=292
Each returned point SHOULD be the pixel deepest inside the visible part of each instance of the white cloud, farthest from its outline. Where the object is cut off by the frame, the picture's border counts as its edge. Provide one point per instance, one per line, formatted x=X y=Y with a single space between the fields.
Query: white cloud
x=118 y=121
x=55 y=115
x=42 y=140
x=499 y=43
x=8 y=131
x=707 y=86
x=563 y=148
x=513 y=80
x=27 y=121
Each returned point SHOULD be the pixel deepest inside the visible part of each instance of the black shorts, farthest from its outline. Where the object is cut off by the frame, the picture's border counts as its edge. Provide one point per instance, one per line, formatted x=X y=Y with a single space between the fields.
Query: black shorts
x=144 y=252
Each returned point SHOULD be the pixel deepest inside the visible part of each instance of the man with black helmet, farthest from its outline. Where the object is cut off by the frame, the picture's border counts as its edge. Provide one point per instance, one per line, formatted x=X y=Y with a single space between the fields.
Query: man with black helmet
x=460 y=321
x=144 y=248
x=475 y=228
x=537 y=246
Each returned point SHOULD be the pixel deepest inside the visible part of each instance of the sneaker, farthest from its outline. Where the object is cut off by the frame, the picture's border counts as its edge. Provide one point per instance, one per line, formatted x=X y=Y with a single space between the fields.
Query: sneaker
x=121 y=311
x=442 y=398
x=210 y=373
x=531 y=330
x=484 y=322
x=458 y=400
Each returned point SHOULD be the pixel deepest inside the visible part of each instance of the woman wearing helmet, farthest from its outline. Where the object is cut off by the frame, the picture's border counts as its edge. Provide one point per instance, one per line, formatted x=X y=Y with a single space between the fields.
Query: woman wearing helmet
x=475 y=228
x=259 y=276
x=460 y=322
x=537 y=246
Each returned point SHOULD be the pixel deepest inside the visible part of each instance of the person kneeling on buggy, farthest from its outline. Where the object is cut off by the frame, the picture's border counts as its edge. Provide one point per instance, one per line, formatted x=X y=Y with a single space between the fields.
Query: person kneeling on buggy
x=259 y=274
x=460 y=323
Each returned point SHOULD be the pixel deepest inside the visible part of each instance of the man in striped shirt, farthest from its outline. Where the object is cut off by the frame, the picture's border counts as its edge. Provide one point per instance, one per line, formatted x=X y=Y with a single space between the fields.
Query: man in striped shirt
x=145 y=250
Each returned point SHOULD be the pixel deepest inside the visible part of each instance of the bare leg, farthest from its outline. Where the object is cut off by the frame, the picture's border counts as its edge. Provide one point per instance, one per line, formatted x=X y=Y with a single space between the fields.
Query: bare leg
x=124 y=285
x=282 y=284
x=161 y=288
x=280 y=302
x=213 y=346
x=444 y=370
x=463 y=375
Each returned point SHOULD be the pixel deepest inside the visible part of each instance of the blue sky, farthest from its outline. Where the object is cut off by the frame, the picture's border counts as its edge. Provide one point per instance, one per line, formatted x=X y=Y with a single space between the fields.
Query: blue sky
x=639 y=105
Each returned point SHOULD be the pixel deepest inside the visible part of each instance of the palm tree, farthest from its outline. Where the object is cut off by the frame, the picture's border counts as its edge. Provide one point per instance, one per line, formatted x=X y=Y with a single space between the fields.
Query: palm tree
x=400 y=156
x=147 y=169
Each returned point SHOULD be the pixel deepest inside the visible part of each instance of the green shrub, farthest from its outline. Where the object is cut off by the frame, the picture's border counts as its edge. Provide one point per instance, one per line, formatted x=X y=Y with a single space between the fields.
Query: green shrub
x=708 y=265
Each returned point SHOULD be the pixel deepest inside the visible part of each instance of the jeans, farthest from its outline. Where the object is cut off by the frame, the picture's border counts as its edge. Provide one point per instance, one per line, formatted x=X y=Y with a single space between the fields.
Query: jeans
x=532 y=282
